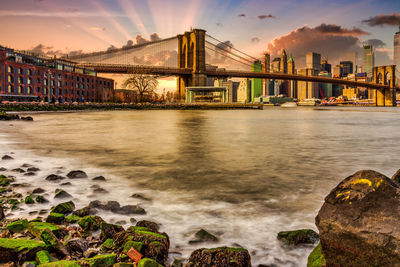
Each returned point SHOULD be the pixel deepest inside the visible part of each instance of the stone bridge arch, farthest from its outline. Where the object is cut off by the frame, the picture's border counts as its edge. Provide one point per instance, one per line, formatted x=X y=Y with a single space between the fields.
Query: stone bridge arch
x=385 y=75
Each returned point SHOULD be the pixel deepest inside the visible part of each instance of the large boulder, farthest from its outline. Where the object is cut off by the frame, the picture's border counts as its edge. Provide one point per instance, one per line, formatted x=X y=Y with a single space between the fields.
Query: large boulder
x=359 y=222
x=77 y=174
x=12 y=249
x=298 y=237
x=223 y=256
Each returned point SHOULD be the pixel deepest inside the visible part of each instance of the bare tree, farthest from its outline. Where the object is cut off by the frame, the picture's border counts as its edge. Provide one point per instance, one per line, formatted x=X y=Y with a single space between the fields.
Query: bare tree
x=144 y=85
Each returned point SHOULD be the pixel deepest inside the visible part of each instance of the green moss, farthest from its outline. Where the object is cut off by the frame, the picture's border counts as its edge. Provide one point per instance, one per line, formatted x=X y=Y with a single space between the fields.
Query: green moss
x=90 y=223
x=137 y=228
x=2 y=176
x=57 y=218
x=61 y=264
x=4 y=190
x=226 y=248
x=5 y=181
x=145 y=231
x=136 y=245
x=316 y=258
x=18 y=226
x=102 y=260
x=302 y=236
x=13 y=201
x=36 y=228
x=146 y=262
x=72 y=218
x=43 y=257
x=40 y=199
x=64 y=208
x=29 y=200
x=21 y=244
x=108 y=244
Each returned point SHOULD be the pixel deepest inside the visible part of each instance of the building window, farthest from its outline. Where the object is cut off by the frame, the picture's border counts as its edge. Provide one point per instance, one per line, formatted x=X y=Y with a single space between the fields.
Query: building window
x=20 y=79
x=29 y=80
x=29 y=90
x=10 y=79
x=20 y=89
x=29 y=72
x=20 y=71
x=59 y=83
x=45 y=91
x=37 y=80
x=45 y=82
x=37 y=89
x=10 y=88
x=10 y=69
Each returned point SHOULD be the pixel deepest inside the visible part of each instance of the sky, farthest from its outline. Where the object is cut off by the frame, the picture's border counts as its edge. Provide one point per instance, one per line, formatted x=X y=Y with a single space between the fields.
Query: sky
x=336 y=29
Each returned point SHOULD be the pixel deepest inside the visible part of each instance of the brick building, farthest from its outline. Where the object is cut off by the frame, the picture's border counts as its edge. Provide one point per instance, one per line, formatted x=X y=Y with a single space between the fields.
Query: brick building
x=26 y=77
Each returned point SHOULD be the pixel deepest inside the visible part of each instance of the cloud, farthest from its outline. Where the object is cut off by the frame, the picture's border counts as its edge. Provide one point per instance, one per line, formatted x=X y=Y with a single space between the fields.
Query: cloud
x=129 y=43
x=155 y=37
x=141 y=40
x=219 y=24
x=336 y=29
x=242 y=15
x=227 y=45
x=383 y=20
x=111 y=47
x=48 y=51
x=269 y=16
x=97 y=29
x=255 y=40
x=376 y=43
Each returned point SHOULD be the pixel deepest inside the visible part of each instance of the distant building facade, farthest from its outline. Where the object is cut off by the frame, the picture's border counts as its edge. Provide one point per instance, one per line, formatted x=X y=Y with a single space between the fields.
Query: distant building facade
x=256 y=84
x=347 y=68
x=26 y=77
x=313 y=61
x=325 y=66
x=369 y=61
x=396 y=54
x=244 y=91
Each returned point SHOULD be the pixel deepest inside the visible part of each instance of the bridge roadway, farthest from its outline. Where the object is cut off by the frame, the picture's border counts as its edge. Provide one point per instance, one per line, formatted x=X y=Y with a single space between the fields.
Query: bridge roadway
x=170 y=71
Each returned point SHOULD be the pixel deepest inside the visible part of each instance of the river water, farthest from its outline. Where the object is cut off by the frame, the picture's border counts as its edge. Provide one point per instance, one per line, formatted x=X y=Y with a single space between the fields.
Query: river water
x=243 y=175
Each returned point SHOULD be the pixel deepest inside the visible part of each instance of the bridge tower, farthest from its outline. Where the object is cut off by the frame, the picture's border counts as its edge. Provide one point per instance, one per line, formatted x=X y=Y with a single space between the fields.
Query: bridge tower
x=191 y=54
x=385 y=75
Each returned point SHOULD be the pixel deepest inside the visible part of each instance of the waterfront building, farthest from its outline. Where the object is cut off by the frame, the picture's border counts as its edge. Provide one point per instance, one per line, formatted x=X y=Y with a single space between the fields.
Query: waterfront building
x=292 y=84
x=325 y=88
x=267 y=69
x=283 y=64
x=396 y=54
x=313 y=61
x=325 y=66
x=337 y=71
x=206 y=94
x=347 y=68
x=307 y=89
x=369 y=61
x=276 y=65
x=256 y=84
x=243 y=91
x=27 y=77
x=232 y=88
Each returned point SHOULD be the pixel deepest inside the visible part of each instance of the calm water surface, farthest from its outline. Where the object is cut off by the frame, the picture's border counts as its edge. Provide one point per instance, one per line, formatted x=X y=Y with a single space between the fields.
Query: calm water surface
x=243 y=175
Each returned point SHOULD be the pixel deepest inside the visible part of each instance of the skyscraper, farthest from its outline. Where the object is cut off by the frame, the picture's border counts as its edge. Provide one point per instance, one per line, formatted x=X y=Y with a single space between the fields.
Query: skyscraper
x=313 y=61
x=347 y=67
x=283 y=65
x=396 y=54
x=369 y=61
x=256 y=84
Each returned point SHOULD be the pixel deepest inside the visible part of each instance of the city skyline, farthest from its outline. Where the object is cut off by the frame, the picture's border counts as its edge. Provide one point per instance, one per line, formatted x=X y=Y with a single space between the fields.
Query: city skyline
x=54 y=27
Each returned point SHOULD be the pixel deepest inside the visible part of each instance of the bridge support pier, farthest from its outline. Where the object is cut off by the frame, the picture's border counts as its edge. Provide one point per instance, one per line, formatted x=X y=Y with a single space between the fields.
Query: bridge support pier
x=191 y=54
x=385 y=75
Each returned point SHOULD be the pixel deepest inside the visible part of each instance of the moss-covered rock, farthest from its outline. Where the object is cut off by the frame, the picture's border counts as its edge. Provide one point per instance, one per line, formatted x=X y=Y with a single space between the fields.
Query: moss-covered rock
x=43 y=256
x=12 y=249
x=29 y=264
x=132 y=244
x=57 y=218
x=36 y=228
x=157 y=251
x=316 y=258
x=146 y=262
x=102 y=260
x=109 y=230
x=41 y=199
x=302 y=236
x=29 y=200
x=60 y=193
x=61 y=264
x=124 y=264
x=64 y=208
x=72 y=218
x=18 y=226
x=5 y=181
x=90 y=223
x=50 y=239
x=203 y=236
x=107 y=245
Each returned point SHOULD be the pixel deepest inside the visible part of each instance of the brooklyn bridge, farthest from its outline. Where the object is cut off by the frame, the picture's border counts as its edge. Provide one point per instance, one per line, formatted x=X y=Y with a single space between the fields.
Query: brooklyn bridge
x=195 y=55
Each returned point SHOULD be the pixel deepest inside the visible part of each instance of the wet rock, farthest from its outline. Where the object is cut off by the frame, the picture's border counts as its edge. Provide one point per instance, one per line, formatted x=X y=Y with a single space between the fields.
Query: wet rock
x=396 y=176
x=65 y=184
x=17 y=226
x=77 y=246
x=131 y=209
x=102 y=260
x=2 y=216
x=54 y=177
x=50 y=239
x=59 y=193
x=359 y=221
x=86 y=211
x=90 y=223
x=27 y=118
x=41 y=199
x=203 y=236
x=18 y=170
x=177 y=263
x=109 y=230
x=26 y=165
x=298 y=237
x=157 y=251
x=19 y=249
x=100 y=190
x=7 y=157
x=38 y=191
x=146 y=262
x=72 y=218
x=77 y=174
x=2 y=169
x=132 y=220
x=29 y=174
x=154 y=227
x=91 y=252
x=56 y=218
x=36 y=228
x=115 y=207
x=141 y=197
x=33 y=169
x=112 y=206
x=29 y=200
x=43 y=257
x=64 y=208
x=99 y=178
x=223 y=256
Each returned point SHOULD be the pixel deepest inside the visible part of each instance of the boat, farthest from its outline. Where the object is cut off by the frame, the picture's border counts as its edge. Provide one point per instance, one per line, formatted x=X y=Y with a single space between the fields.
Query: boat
x=309 y=102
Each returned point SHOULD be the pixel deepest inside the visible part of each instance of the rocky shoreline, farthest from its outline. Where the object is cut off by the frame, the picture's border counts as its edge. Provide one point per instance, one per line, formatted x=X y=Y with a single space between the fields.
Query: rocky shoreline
x=358 y=226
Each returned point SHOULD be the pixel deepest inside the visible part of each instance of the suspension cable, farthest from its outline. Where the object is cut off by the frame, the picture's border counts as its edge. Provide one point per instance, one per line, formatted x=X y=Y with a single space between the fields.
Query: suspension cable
x=231 y=47
x=249 y=65
x=230 y=52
